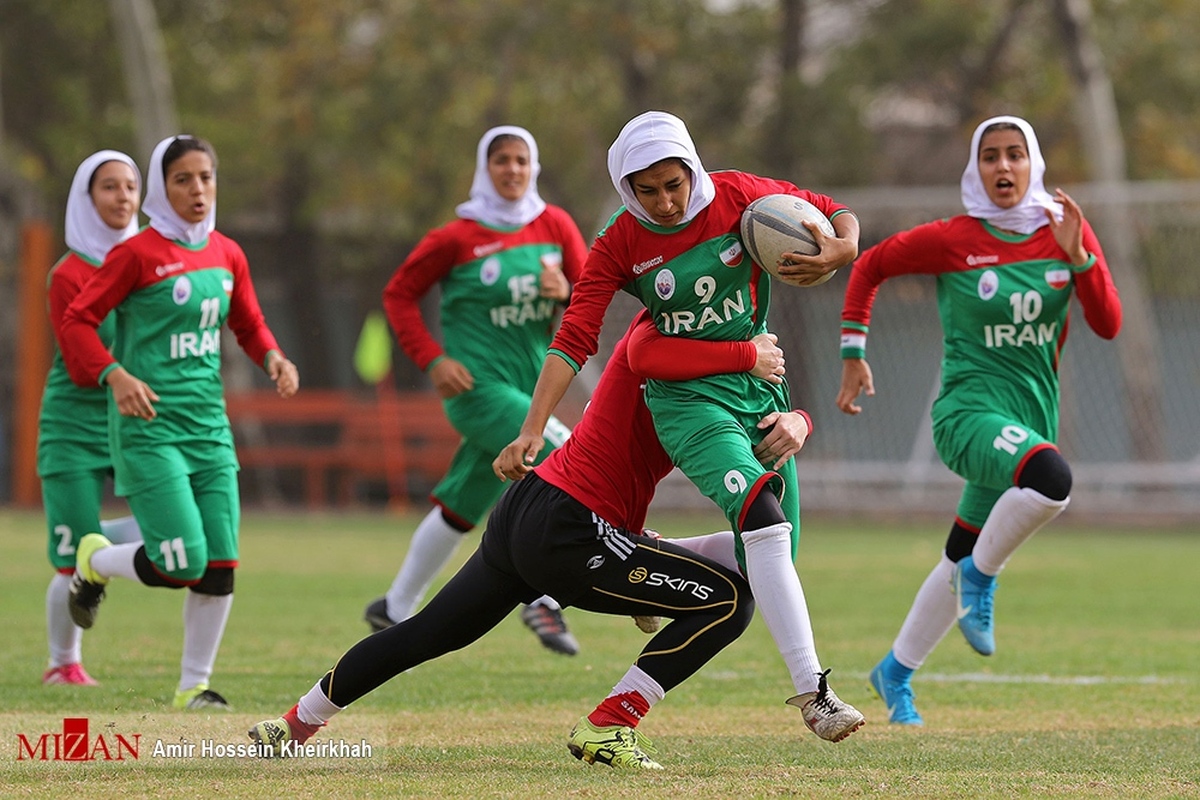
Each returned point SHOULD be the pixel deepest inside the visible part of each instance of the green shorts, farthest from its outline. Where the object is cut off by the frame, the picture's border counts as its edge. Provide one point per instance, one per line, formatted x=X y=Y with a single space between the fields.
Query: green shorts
x=190 y=522
x=985 y=449
x=488 y=417
x=72 y=501
x=714 y=447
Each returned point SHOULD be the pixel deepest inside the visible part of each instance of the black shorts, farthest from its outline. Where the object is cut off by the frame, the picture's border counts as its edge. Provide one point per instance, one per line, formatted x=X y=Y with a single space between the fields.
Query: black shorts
x=559 y=547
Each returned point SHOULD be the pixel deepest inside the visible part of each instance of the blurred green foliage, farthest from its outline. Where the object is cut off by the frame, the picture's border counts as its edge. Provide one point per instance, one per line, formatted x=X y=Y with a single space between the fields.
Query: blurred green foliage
x=361 y=116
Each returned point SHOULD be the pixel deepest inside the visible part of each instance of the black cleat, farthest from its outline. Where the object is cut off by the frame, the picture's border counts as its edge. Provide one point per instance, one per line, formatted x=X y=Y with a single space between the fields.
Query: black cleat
x=550 y=628
x=376 y=615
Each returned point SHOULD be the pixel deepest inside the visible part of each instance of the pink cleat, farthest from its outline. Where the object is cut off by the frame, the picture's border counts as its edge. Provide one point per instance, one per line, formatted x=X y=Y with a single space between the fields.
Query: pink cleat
x=68 y=675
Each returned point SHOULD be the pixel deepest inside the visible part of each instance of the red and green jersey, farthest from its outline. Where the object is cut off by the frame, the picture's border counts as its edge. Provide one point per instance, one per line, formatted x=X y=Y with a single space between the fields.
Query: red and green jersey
x=696 y=281
x=73 y=419
x=171 y=300
x=1003 y=300
x=492 y=317
x=613 y=460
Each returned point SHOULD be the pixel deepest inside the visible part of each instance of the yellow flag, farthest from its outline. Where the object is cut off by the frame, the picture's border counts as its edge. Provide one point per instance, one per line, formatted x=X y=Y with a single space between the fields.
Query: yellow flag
x=373 y=353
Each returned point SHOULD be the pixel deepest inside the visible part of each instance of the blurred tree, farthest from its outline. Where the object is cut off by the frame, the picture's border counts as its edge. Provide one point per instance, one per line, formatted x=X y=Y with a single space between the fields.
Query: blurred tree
x=384 y=99
x=63 y=92
x=147 y=72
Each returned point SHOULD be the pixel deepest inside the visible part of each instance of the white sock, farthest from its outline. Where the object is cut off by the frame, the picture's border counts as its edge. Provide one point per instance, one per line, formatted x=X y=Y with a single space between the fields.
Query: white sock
x=931 y=617
x=116 y=561
x=204 y=617
x=780 y=598
x=547 y=601
x=433 y=543
x=636 y=680
x=315 y=708
x=64 y=636
x=1017 y=515
x=716 y=547
x=121 y=530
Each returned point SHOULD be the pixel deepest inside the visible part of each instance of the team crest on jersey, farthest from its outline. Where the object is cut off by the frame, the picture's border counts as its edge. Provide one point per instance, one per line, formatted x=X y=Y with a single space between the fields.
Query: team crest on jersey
x=227 y=285
x=664 y=284
x=489 y=271
x=989 y=284
x=181 y=292
x=552 y=260
x=732 y=252
x=1058 y=278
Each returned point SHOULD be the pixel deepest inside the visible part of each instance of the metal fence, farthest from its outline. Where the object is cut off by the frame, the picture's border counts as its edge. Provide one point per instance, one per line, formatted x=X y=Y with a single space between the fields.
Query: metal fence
x=1130 y=408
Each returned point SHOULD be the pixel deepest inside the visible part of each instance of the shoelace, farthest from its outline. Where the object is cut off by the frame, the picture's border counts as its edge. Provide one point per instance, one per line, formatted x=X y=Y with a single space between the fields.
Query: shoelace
x=641 y=742
x=641 y=745
x=824 y=700
x=984 y=607
x=88 y=593
x=548 y=621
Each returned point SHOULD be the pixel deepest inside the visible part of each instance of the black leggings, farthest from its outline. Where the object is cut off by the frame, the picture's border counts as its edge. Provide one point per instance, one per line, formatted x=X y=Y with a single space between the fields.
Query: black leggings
x=539 y=541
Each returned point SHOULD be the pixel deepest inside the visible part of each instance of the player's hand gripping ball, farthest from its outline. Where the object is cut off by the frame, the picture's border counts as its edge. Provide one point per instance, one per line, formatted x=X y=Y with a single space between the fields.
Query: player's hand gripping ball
x=773 y=225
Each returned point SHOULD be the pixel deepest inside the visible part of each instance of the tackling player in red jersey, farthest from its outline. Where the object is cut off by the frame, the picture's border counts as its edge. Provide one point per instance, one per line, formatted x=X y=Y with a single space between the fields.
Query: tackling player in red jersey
x=573 y=529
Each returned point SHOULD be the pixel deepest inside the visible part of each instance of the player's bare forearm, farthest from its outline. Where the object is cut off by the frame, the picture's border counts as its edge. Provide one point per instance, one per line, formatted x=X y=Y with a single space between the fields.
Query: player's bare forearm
x=515 y=460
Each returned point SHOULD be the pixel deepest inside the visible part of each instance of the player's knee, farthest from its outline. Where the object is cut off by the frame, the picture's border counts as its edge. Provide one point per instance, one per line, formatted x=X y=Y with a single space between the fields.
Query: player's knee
x=216 y=581
x=1047 y=473
x=764 y=511
x=180 y=561
x=456 y=522
x=150 y=575
x=960 y=542
x=743 y=611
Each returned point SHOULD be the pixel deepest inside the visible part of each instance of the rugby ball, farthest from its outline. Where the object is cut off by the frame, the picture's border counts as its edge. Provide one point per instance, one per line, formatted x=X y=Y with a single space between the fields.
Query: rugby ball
x=773 y=225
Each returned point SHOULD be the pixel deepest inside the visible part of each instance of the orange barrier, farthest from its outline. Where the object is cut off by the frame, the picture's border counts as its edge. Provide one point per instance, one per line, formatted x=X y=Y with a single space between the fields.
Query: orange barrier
x=341 y=438
x=34 y=350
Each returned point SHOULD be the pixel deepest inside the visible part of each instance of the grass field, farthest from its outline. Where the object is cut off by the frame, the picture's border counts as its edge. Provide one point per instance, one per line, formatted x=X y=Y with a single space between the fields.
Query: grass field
x=1093 y=691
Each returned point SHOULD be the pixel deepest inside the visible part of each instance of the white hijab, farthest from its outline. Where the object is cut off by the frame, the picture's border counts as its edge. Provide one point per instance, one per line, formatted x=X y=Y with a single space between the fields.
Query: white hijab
x=157 y=207
x=87 y=233
x=1027 y=215
x=486 y=205
x=647 y=139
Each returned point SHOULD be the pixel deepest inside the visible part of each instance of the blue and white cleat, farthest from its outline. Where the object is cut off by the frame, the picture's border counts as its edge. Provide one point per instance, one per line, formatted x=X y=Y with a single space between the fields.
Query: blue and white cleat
x=896 y=693
x=975 y=606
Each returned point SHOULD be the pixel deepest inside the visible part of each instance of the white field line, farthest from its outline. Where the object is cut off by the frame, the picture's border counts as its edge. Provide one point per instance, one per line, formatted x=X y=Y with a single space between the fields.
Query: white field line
x=1061 y=680
x=988 y=677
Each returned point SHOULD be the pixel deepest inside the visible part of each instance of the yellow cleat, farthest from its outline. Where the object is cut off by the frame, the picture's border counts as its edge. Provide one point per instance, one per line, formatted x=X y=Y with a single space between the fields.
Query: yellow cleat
x=615 y=745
